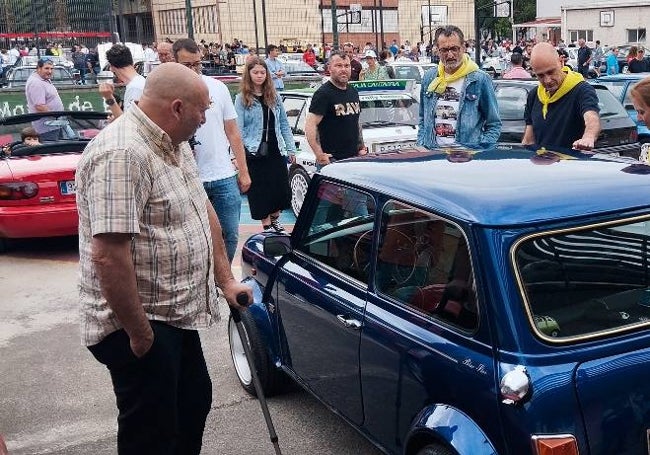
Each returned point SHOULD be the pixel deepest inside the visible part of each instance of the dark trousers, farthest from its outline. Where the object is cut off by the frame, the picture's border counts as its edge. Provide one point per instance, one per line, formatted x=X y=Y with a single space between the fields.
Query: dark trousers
x=164 y=397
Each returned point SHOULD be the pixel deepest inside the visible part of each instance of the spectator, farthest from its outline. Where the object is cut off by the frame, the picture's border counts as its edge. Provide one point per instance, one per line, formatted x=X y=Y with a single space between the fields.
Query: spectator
x=631 y=54
x=267 y=137
x=275 y=66
x=151 y=256
x=394 y=48
x=612 y=61
x=640 y=95
x=80 y=62
x=231 y=61
x=42 y=96
x=29 y=136
x=374 y=71
x=563 y=111
x=584 y=58
x=564 y=56
x=165 y=52
x=456 y=78
x=149 y=57
x=355 y=66
x=639 y=64
x=223 y=179
x=599 y=55
x=517 y=71
x=332 y=127
x=309 y=57
x=121 y=63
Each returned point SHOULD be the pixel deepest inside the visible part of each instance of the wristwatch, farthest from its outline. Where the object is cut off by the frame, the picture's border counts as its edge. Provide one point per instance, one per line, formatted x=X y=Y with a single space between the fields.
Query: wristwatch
x=110 y=101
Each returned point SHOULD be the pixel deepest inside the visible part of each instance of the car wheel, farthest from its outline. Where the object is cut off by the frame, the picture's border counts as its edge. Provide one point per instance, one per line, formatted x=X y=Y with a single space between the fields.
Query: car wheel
x=436 y=449
x=299 y=182
x=271 y=379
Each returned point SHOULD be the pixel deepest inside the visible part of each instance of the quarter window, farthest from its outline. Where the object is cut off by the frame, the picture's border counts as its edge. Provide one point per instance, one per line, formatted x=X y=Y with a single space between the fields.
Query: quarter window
x=423 y=261
x=293 y=107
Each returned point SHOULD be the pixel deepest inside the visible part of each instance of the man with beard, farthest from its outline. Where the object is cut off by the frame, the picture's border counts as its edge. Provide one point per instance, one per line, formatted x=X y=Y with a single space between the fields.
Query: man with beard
x=457 y=101
x=151 y=255
x=563 y=111
x=332 y=126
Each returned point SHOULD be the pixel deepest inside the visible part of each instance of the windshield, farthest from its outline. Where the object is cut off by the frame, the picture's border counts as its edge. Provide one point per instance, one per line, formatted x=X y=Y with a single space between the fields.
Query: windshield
x=608 y=104
x=69 y=128
x=378 y=111
x=586 y=283
x=298 y=67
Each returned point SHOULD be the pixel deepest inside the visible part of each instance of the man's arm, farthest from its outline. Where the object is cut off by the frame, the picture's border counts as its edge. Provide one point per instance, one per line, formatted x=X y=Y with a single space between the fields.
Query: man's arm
x=107 y=92
x=592 y=130
x=237 y=146
x=223 y=276
x=361 y=146
x=529 y=136
x=111 y=256
x=311 y=132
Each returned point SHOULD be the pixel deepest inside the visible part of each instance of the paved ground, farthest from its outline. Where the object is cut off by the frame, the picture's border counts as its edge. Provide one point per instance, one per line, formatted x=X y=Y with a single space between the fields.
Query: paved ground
x=55 y=399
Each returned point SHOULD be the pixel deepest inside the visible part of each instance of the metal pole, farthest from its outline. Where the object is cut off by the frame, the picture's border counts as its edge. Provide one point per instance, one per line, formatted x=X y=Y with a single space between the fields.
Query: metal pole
x=257 y=38
x=429 y=21
x=335 y=27
x=266 y=36
x=381 y=22
x=477 y=34
x=188 y=17
x=219 y=22
x=374 y=28
x=111 y=19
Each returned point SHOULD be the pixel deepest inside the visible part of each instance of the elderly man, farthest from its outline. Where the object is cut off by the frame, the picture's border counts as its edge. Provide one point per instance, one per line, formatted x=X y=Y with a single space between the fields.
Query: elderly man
x=165 y=52
x=150 y=253
x=563 y=111
x=459 y=87
x=42 y=96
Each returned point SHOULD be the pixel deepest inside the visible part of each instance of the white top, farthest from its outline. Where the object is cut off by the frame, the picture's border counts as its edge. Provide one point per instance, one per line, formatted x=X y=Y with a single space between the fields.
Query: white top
x=133 y=91
x=213 y=153
x=447 y=113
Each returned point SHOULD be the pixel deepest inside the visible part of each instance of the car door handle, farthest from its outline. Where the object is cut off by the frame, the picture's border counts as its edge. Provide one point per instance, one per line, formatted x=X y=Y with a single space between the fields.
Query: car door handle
x=349 y=322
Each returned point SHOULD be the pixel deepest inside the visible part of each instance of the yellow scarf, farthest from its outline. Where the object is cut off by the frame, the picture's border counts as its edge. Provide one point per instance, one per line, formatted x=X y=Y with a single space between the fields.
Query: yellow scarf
x=571 y=80
x=439 y=84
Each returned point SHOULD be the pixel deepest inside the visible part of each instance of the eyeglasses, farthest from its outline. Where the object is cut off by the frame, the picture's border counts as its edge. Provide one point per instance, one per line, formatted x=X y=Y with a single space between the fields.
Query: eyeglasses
x=192 y=65
x=453 y=49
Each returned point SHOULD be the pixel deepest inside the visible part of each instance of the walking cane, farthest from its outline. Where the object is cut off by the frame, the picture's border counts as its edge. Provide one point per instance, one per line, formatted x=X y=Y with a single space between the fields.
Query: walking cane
x=242 y=299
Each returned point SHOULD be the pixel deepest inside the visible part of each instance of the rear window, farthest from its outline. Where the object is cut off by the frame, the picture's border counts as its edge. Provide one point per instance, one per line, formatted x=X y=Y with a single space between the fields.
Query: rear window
x=407 y=72
x=381 y=110
x=511 y=101
x=585 y=283
x=616 y=88
x=610 y=106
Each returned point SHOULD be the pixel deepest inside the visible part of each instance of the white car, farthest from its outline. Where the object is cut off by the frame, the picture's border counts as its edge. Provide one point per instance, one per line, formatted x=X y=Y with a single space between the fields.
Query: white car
x=410 y=70
x=389 y=118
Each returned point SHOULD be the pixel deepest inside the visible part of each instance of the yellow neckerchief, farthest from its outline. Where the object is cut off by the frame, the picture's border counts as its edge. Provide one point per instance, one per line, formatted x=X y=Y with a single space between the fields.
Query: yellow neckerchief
x=439 y=84
x=571 y=80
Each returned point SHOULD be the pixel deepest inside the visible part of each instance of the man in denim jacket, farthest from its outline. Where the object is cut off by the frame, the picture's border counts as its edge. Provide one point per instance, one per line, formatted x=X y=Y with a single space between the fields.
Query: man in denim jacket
x=457 y=101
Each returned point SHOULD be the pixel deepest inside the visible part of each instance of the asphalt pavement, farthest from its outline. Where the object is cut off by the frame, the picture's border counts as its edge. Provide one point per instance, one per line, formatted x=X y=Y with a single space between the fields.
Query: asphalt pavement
x=56 y=399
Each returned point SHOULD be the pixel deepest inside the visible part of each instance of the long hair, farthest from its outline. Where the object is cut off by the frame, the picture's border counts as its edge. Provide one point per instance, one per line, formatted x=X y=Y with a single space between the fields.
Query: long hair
x=247 y=88
x=641 y=91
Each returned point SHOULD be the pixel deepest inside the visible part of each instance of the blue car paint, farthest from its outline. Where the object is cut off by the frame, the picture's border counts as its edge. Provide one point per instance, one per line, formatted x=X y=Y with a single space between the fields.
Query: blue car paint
x=627 y=81
x=415 y=365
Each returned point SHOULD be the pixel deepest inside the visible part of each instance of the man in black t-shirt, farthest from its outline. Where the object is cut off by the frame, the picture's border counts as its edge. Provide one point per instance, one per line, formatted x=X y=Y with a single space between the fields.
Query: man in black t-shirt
x=332 y=127
x=584 y=58
x=563 y=110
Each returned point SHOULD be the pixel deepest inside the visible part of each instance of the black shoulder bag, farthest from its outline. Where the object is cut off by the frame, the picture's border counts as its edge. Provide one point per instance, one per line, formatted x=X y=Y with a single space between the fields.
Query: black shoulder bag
x=263 y=149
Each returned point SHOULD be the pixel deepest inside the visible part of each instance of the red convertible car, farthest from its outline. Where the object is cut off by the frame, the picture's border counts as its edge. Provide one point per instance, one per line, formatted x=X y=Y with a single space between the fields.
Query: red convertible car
x=37 y=187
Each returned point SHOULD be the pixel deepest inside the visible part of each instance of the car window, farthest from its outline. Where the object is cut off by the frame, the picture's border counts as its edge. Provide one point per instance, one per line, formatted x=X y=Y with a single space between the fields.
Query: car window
x=627 y=101
x=293 y=107
x=298 y=67
x=609 y=106
x=587 y=282
x=407 y=72
x=511 y=101
x=379 y=111
x=616 y=88
x=423 y=261
x=341 y=230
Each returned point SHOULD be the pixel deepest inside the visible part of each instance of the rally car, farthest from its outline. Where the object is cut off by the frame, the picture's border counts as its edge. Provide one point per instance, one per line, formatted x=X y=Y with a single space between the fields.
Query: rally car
x=389 y=118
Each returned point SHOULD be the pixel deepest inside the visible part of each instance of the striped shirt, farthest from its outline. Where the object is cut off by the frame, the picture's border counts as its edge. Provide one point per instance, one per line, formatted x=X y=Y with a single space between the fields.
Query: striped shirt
x=132 y=180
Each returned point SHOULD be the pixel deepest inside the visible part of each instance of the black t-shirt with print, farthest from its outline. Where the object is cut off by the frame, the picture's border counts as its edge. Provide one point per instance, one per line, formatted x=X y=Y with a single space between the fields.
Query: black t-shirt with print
x=564 y=123
x=339 y=129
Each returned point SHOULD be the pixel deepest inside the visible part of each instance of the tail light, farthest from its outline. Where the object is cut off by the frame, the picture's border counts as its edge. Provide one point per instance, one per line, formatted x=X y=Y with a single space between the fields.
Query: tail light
x=634 y=135
x=17 y=190
x=564 y=444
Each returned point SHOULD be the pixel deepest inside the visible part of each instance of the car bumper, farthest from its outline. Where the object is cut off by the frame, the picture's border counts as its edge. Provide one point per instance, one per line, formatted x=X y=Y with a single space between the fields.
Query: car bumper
x=38 y=221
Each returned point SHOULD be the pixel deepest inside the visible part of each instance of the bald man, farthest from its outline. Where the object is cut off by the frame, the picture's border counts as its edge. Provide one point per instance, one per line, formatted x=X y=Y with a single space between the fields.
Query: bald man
x=165 y=52
x=149 y=245
x=563 y=110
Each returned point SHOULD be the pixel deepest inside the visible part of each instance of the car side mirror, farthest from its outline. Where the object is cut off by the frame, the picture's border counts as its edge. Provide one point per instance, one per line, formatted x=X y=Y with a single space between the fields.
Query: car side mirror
x=276 y=245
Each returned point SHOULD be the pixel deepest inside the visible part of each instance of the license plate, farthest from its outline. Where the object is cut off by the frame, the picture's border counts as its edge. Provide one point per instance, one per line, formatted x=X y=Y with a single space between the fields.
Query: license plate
x=68 y=187
x=385 y=147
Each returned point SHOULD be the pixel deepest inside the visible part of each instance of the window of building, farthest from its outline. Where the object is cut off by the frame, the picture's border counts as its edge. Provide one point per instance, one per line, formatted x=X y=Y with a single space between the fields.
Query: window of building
x=575 y=35
x=636 y=35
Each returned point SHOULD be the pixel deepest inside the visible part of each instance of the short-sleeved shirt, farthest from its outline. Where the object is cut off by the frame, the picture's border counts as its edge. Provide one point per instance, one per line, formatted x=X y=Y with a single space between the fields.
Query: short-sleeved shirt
x=583 y=54
x=132 y=180
x=339 y=128
x=564 y=122
x=133 y=91
x=274 y=65
x=39 y=91
x=213 y=151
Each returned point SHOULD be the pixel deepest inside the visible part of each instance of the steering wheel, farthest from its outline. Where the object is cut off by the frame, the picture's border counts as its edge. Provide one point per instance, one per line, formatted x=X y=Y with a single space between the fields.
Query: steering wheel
x=401 y=255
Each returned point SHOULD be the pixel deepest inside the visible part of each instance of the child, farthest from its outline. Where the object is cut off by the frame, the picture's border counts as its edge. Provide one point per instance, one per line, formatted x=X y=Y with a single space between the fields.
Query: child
x=29 y=136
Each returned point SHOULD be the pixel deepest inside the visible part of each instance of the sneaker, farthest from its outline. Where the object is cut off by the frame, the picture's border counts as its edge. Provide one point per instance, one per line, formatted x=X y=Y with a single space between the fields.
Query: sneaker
x=277 y=226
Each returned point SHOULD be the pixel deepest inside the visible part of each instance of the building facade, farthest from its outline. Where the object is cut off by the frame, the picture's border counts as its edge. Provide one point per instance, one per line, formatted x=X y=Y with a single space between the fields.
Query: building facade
x=299 y=22
x=613 y=24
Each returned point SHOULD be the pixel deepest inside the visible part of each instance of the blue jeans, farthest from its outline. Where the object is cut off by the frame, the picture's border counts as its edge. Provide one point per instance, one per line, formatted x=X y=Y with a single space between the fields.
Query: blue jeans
x=225 y=197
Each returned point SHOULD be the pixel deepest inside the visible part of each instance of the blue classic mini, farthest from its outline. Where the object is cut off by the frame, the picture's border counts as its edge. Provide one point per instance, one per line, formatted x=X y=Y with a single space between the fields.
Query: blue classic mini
x=467 y=302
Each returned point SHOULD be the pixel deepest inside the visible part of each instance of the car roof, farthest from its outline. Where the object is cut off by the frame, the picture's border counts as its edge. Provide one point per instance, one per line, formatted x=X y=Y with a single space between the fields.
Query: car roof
x=623 y=76
x=369 y=90
x=503 y=185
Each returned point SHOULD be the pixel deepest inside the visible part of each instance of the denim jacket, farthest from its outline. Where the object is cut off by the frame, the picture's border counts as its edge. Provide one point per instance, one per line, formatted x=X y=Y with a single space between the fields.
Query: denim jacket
x=478 y=124
x=251 y=125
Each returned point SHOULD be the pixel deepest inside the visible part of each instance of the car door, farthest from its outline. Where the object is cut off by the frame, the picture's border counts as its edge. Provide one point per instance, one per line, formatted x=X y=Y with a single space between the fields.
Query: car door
x=322 y=293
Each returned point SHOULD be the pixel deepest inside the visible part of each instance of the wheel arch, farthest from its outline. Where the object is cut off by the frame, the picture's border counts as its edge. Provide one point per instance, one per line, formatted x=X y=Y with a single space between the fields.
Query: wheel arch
x=264 y=321
x=443 y=424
